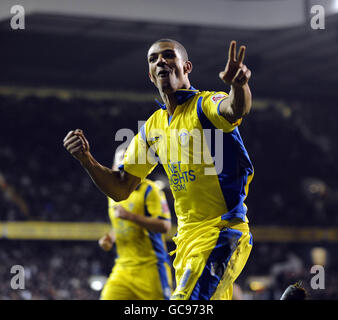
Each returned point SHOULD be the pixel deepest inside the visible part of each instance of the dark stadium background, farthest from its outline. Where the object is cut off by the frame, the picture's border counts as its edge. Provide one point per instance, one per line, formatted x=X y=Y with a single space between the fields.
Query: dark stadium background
x=72 y=69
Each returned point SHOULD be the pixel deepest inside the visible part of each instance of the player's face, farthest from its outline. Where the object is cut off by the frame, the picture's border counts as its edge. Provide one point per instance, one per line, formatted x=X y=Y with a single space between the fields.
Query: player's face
x=167 y=69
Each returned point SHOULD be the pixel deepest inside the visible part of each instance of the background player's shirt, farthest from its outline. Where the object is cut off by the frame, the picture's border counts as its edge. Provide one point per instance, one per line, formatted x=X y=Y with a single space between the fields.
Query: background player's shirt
x=205 y=193
x=134 y=244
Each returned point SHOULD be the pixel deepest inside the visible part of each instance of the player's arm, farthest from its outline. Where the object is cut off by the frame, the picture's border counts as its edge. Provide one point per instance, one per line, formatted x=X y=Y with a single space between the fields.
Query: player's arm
x=150 y=223
x=115 y=184
x=106 y=242
x=236 y=74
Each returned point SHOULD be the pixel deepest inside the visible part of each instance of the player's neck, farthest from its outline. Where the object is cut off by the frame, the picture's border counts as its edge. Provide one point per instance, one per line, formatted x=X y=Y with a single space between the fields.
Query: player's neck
x=170 y=99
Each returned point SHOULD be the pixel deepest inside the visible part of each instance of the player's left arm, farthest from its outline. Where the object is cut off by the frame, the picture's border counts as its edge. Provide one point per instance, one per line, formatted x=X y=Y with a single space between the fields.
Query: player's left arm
x=150 y=223
x=236 y=74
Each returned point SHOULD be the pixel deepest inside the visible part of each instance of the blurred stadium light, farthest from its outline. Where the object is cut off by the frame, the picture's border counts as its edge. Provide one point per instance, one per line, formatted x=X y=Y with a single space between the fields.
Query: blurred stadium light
x=319 y=256
x=259 y=283
x=97 y=282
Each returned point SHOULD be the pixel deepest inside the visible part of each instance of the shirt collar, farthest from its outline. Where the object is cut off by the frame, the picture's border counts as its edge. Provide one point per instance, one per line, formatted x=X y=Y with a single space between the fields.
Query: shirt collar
x=182 y=96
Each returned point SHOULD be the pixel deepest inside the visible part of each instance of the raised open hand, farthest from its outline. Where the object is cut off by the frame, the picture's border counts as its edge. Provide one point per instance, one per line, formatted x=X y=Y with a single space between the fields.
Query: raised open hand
x=235 y=72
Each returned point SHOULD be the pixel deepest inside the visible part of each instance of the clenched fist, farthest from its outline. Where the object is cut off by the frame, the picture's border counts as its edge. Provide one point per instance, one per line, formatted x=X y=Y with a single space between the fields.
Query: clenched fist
x=76 y=144
x=106 y=242
x=236 y=73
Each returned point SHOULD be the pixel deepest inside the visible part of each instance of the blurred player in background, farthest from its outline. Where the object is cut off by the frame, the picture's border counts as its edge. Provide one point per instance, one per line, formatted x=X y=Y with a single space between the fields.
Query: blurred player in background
x=213 y=241
x=142 y=267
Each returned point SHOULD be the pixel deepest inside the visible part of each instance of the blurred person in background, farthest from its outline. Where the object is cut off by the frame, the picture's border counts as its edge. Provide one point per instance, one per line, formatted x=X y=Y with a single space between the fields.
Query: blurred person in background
x=142 y=268
x=11 y=194
x=237 y=292
x=213 y=241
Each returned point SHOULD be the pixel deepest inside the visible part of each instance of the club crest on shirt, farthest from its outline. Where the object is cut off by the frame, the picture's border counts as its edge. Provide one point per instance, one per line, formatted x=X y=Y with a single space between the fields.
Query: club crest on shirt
x=217 y=97
x=183 y=137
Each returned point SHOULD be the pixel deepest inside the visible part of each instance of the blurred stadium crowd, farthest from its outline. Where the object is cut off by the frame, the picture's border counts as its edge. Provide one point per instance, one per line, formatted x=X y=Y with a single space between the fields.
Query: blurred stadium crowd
x=49 y=269
x=61 y=270
x=291 y=146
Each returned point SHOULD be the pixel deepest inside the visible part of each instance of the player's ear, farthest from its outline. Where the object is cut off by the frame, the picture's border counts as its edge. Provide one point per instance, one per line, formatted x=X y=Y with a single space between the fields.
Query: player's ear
x=187 y=67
